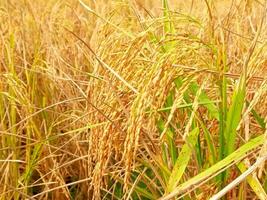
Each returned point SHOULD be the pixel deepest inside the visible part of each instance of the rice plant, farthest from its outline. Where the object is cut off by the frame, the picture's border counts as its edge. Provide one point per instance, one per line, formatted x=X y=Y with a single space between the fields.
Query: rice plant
x=131 y=99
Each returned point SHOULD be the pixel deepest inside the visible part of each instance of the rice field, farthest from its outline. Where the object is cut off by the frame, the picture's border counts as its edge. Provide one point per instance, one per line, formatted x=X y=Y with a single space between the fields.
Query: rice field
x=133 y=99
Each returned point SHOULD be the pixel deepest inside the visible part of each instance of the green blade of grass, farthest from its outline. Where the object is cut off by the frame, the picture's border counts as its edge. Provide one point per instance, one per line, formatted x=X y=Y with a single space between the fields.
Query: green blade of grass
x=183 y=159
x=234 y=115
x=170 y=140
x=239 y=179
x=170 y=135
x=203 y=97
x=222 y=121
x=168 y=26
x=257 y=117
x=233 y=118
x=209 y=140
x=253 y=182
x=220 y=166
x=158 y=166
x=143 y=192
x=204 y=100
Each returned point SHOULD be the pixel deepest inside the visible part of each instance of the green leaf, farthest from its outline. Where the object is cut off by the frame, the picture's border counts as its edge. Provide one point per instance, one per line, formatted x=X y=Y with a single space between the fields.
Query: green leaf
x=139 y=190
x=253 y=182
x=209 y=140
x=183 y=159
x=258 y=118
x=234 y=116
x=170 y=140
x=220 y=166
x=168 y=26
x=203 y=97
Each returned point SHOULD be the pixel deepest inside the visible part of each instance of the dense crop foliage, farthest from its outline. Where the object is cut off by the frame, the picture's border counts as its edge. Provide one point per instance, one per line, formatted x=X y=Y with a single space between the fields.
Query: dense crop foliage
x=131 y=99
